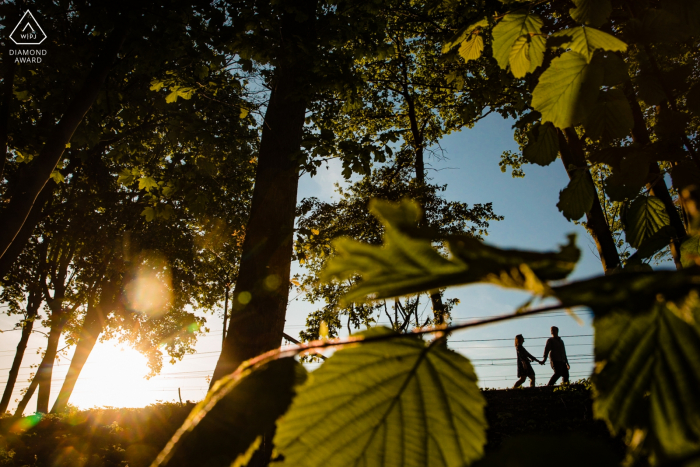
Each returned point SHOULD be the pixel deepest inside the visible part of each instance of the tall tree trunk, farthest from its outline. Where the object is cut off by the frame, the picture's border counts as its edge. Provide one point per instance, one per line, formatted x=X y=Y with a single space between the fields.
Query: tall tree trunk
x=656 y=187
x=223 y=333
x=38 y=172
x=7 y=92
x=33 y=302
x=45 y=372
x=259 y=303
x=572 y=154
x=27 y=396
x=91 y=330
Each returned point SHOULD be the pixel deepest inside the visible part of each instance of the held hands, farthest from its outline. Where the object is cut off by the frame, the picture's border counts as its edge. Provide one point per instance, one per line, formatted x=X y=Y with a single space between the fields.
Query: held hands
x=541 y=362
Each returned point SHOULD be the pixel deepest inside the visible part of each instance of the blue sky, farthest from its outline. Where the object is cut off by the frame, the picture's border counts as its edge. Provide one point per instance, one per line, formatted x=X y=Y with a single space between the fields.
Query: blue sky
x=114 y=375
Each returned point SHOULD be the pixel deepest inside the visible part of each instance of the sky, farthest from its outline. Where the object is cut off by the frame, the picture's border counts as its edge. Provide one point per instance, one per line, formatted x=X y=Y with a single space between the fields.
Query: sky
x=114 y=374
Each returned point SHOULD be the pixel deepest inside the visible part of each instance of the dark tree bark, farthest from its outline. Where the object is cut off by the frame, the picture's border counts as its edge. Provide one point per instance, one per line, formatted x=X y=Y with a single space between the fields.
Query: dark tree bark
x=45 y=371
x=37 y=174
x=259 y=303
x=572 y=154
x=33 y=302
x=657 y=187
x=9 y=80
x=93 y=325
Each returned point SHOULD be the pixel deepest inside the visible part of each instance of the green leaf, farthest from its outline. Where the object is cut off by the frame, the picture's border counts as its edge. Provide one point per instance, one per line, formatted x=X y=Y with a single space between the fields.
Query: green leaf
x=408 y=263
x=396 y=402
x=235 y=413
x=648 y=371
x=472 y=49
x=585 y=40
x=243 y=113
x=543 y=144
x=538 y=44
x=512 y=26
x=57 y=176
x=611 y=117
x=635 y=292
x=149 y=213
x=651 y=91
x=156 y=85
x=463 y=34
x=656 y=242
x=690 y=251
x=577 y=198
x=179 y=91
x=146 y=183
x=645 y=217
x=567 y=89
x=591 y=12
x=520 y=56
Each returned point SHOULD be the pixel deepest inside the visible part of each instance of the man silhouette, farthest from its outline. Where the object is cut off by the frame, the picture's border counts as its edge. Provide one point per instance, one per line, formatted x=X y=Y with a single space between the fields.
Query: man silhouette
x=557 y=353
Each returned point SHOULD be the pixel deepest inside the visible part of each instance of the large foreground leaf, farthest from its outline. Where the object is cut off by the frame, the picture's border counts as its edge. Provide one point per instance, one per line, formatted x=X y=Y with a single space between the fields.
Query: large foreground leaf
x=585 y=41
x=568 y=89
x=543 y=144
x=227 y=425
x=509 y=29
x=646 y=216
x=408 y=263
x=398 y=402
x=577 y=198
x=591 y=12
x=648 y=374
x=630 y=291
x=610 y=118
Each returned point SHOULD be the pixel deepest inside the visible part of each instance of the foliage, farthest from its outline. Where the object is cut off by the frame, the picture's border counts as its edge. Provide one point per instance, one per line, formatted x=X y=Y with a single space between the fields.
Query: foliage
x=369 y=404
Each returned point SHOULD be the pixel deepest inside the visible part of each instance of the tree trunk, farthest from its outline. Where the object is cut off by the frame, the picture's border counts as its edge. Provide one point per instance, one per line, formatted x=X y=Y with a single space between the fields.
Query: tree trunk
x=657 y=187
x=9 y=80
x=45 y=371
x=223 y=333
x=27 y=395
x=38 y=172
x=259 y=303
x=33 y=302
x=92 y=327
x=572 y=154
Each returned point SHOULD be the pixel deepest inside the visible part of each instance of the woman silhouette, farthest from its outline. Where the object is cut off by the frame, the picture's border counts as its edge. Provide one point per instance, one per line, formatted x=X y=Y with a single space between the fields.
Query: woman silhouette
x=524 y=358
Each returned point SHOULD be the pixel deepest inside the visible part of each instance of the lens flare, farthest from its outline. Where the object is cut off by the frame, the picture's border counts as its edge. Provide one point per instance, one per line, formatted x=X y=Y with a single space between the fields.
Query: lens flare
x=150 y=290
x=25 y=423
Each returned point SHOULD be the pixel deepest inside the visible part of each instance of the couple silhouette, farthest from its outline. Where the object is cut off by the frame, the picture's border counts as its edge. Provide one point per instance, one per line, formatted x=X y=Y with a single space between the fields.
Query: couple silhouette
x=557 y=356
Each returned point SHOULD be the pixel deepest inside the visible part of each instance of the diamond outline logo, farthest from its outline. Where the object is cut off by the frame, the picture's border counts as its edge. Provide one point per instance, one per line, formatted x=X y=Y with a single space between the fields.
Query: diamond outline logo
x=36 y=23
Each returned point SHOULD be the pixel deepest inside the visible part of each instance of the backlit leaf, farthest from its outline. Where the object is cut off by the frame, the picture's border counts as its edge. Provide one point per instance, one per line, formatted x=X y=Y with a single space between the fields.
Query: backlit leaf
x=645 y=217
x=543 y=144
x=239 y=409
x=512 y=26
x=401 y=402
x=648 y=372
x=591 y=12
x=610 y=118
x=146 y=183
x=408 y=263
x=586 y=40
x=567 y=89
x=538 y=44
x=472 y=49
x=463 y=34
x=577 y=198
x=520 y=57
